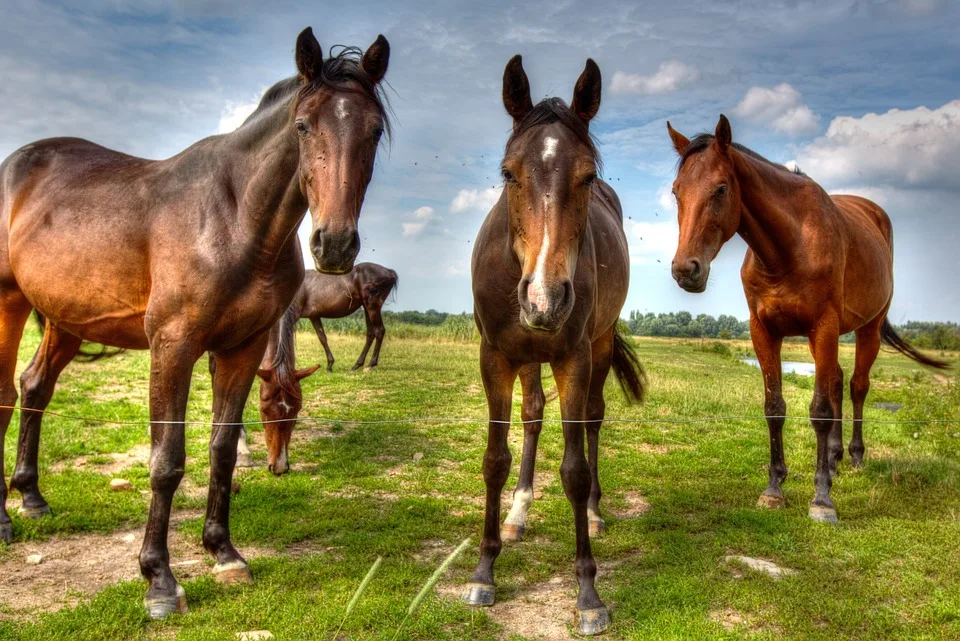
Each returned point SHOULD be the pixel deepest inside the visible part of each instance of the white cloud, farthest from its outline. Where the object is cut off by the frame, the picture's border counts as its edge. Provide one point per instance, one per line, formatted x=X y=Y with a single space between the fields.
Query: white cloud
x=779 y=107
x=671 y=76
x=475 y=200
x=234 y=113
x=421 y=217
x=913 y=148
x=652 y=242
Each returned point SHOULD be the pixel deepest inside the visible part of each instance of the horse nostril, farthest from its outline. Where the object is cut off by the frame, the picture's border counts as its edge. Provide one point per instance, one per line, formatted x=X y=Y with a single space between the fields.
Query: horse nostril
x=316 y=241
x=694 y=268
x=567 y=293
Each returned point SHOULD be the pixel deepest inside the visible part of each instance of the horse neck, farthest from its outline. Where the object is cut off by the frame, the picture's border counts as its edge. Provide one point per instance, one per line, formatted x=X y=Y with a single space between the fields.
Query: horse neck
x=266 y=178
x=770 y=218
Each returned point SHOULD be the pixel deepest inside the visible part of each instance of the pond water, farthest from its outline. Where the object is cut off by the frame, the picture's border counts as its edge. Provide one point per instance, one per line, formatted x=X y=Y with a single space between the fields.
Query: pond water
x=795 y=367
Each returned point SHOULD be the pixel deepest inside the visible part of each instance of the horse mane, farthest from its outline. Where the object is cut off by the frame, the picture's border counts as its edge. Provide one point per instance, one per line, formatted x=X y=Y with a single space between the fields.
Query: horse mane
x=342 y=67
x=550 y=110
x=700 y=142
x=284 y=358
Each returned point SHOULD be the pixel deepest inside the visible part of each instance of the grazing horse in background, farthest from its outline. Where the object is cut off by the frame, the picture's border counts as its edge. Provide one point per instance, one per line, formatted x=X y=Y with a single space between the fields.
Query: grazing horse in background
x=280 y=395
x=195 y=253
x=335 y=296
x=817 y=266
x=550 y=274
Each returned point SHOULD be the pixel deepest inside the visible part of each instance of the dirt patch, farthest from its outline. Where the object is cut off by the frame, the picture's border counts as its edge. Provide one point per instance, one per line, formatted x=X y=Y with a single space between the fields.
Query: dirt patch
x=732 y=619
x=76 y=567
x=135 y=392
x=636 y=505
x=119 y=461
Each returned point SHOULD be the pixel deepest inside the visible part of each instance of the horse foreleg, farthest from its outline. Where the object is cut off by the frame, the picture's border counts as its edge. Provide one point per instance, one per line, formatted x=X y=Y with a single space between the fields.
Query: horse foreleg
x=172 y=361
x=235 y=373
x=379 y=331
x=366 y=346
x=532 y=414
x=767 y=348
x=573 y=382
x=37 y=383
x=602 y=355
x=498 y=375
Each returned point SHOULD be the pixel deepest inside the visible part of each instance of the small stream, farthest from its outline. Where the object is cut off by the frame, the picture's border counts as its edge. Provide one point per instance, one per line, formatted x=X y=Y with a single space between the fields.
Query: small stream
x=795 y=367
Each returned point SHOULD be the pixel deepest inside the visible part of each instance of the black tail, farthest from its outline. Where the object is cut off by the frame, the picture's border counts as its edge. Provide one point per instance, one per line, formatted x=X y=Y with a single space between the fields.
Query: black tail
x=385 y=286
x=627 y=368
x=84 y=356
x=890 y=337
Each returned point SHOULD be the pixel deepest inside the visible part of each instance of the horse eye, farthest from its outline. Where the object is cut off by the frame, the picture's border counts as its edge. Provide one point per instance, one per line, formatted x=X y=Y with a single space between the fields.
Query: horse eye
x=507 y=176
x=302 y=127
x=721 y=190
x=378 y=132
x=589 y=179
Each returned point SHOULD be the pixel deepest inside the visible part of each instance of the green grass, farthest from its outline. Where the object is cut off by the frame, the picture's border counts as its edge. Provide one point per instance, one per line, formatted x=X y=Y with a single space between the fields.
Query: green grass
x=890 y=570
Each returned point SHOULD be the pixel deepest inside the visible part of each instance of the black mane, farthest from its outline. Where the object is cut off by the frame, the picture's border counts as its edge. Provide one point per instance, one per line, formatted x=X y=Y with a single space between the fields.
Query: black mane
x=336 y=71
x=700 y=142
x=550 y=110
x=284 y=359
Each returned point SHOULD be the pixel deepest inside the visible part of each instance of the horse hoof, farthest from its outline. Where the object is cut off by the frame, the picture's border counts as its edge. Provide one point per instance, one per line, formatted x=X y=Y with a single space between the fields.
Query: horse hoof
x=160 y=607
x=593 y=621
x=597 y=528
x=33 y=512
x=479 y=594
x=235 y=572
x=856 y=461
x=771 y=502
x=512 y=532
x=6 y=533
x=823 y=514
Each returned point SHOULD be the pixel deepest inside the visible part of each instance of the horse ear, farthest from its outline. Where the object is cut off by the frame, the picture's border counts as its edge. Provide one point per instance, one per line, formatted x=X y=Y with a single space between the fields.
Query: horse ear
x=516 y=89
x=375 y=60
x=586 y=93
x=680 y=141
x=265 y=374
x=723 y=135
x=309 y=55
x=301 y=374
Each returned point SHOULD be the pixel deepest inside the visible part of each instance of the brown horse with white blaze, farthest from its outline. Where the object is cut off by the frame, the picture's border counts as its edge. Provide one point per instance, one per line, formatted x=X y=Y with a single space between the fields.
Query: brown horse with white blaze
x=335 y=296
x=550 y=274
x=195 y=253
x=816 y=265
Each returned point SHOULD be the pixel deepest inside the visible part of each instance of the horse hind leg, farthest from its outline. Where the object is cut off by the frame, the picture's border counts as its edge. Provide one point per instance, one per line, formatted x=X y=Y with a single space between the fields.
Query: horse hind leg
x=37 y=383
x=14 y=311
x=602 y=354
x=835 y=440
x=366 y=346
x=868 y=346
x=531 y=413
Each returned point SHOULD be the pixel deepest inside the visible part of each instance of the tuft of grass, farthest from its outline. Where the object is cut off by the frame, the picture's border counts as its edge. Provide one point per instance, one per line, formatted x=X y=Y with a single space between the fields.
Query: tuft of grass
x=432 y=582
x=359 y=593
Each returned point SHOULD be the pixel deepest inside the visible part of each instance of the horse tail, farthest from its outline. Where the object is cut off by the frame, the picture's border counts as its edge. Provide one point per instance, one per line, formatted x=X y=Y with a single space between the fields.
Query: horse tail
x=890 y=337
x=83 y=355
x=627 y=368
x=385 y=285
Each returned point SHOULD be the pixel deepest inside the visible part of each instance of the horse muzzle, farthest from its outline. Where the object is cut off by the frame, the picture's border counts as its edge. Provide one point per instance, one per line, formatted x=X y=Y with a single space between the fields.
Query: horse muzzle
x=334 y=252
x=545 y=308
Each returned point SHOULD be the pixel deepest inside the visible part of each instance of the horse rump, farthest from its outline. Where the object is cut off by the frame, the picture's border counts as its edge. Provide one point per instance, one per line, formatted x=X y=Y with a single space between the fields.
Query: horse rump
x=890 y=337
x=627 y=368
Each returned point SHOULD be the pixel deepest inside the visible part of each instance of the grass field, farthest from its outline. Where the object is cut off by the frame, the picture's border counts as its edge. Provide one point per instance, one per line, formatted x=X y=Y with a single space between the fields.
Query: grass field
x=678 y=499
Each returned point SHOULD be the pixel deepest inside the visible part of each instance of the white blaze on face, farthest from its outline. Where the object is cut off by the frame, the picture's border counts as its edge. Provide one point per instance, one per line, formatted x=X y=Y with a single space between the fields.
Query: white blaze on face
x=536 y=290
x=282 y=460
x=549 y=148
x=286 y=406
x=342 y=109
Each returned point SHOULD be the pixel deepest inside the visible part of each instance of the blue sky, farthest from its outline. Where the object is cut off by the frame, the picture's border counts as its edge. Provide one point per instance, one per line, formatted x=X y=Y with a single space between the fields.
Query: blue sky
x=865 y=95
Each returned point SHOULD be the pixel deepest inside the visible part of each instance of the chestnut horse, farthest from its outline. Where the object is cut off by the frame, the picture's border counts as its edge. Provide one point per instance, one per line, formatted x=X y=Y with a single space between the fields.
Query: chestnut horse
x=817 y=266
x=550 y=274
x=195 y=253
x=335 y=296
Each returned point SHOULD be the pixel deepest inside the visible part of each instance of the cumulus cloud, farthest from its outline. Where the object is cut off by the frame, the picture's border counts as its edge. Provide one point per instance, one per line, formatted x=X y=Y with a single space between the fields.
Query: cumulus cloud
x=651 y=242
x=476 y=201
x=779 y=107
x=234 y=113
x=671 y=76
x=913 y=148
x=415 y=227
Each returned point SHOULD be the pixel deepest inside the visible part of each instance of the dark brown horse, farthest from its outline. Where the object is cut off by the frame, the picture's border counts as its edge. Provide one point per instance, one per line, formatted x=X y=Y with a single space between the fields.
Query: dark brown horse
x=817 y=266
x=181 y=256
x=335 y=296
x=550 y=275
